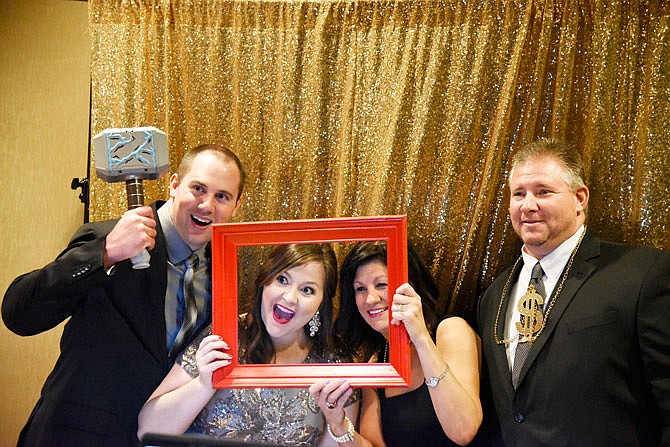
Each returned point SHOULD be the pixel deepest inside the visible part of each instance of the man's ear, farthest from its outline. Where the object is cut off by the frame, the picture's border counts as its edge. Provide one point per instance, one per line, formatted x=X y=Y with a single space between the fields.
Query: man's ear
x=582 y=198
x=237 y=205
x=174 y=183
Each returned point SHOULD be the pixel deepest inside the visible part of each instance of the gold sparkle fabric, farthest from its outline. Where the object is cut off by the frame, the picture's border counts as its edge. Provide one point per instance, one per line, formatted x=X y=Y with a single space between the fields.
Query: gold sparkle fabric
x=351 y=108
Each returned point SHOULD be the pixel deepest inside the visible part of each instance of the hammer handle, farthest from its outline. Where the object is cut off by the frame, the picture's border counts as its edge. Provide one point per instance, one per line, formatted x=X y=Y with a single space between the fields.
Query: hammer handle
x=135 y=193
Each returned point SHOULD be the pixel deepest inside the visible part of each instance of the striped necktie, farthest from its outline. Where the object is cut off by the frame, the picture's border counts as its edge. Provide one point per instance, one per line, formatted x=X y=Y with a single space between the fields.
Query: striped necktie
x=190 y=307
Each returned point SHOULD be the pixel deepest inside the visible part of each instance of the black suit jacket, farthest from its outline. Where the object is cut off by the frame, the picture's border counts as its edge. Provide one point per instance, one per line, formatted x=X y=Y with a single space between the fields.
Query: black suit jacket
x=113 y=348
x=599 y=374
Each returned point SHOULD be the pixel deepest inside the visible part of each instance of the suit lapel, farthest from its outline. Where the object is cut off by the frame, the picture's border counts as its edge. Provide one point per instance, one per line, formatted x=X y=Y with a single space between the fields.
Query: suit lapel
x=579 y=272
x=500 y=351
x=155 y=303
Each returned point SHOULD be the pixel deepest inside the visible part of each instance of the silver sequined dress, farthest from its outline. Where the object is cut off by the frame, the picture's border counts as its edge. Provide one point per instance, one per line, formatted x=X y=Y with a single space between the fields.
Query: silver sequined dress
x=287 y=416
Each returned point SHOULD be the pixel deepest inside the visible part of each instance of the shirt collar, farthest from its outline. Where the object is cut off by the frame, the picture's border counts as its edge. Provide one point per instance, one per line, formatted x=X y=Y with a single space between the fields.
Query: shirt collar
x=177 y=249
x=554 y=262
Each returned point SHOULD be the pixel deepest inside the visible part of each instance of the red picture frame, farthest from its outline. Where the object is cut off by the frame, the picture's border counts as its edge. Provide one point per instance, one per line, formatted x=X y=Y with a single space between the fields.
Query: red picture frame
x=226 y=238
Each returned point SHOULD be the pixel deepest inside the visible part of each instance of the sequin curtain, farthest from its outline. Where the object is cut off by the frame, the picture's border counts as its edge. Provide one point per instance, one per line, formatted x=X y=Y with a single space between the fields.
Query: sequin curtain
x=350 y=108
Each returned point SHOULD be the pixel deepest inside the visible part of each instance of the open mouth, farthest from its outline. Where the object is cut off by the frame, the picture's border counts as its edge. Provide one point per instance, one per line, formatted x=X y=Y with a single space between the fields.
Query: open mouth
x=199 y=221
x=378 y=311
x=281 y=314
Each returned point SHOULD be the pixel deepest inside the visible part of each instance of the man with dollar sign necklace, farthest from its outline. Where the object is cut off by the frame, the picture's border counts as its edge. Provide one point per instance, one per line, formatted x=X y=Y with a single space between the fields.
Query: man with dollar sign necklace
x=587 y=321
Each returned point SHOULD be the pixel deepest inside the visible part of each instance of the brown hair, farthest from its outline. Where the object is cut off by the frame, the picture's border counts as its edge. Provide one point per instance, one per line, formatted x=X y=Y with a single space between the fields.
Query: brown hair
x=222 y=152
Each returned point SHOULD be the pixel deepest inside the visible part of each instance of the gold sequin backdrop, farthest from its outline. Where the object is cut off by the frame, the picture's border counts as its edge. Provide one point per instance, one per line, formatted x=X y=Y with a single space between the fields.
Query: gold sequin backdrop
x=351 y=108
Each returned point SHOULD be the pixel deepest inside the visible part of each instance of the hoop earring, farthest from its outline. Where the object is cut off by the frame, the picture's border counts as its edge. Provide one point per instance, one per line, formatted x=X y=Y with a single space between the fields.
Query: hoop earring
x=314 y=324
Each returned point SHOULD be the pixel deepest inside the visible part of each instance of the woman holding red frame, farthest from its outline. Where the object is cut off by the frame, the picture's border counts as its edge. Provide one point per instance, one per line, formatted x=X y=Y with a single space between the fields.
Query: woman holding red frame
x=290 y=323
x=441 y=406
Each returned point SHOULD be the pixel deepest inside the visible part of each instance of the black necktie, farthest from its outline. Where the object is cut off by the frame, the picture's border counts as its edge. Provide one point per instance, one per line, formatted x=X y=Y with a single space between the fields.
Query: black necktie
x=522 y=349
x=190 y=307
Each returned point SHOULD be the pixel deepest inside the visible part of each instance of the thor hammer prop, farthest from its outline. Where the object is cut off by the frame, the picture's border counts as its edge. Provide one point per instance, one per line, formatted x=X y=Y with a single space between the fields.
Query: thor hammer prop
x=132 y=154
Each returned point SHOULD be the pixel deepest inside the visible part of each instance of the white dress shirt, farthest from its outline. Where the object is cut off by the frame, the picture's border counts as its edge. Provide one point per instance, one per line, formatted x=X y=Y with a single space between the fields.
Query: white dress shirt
x=552 y=265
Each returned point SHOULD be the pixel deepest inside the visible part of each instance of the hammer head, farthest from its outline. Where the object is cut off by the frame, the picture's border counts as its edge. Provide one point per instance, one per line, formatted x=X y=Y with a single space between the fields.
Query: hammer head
x=131 y=153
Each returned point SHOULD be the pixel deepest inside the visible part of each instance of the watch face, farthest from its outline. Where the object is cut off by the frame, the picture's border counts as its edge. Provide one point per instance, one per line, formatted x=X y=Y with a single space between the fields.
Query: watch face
x=432 y=382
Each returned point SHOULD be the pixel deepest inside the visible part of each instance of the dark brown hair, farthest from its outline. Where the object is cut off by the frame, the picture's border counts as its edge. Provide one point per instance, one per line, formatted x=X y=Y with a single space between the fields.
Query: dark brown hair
x=361 y=340
x=256 y=342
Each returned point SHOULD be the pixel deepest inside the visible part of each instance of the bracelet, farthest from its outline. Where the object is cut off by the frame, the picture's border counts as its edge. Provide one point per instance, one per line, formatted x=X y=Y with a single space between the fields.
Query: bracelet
x=347 y=437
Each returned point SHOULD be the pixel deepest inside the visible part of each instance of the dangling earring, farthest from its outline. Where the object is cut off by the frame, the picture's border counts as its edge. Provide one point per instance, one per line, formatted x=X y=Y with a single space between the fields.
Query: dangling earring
x=314 y=324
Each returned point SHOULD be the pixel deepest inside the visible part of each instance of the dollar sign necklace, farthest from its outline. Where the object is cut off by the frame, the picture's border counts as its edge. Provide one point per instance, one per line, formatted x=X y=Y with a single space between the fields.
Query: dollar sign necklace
x=531 y=316
x=536 y=325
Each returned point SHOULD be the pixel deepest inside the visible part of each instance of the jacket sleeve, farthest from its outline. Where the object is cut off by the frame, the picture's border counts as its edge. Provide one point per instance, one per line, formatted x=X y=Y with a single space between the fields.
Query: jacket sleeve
x=653 y=323
x=42 y=299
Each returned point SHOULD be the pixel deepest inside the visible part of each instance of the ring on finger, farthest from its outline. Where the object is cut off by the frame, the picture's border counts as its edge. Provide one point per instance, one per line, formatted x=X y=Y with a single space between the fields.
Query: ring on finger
x=330 y=404
x=402 y=305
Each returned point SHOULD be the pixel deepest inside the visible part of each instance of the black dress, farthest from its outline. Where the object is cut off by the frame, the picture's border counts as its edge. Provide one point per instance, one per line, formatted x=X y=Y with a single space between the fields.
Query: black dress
x=410 y=420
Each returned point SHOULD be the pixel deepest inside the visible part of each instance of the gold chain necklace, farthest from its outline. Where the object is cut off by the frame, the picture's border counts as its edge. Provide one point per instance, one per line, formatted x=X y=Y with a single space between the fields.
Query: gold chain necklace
x=551 y=303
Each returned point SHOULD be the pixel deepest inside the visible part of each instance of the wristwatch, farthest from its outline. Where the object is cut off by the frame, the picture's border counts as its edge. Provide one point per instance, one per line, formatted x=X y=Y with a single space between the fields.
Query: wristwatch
x=433 y=381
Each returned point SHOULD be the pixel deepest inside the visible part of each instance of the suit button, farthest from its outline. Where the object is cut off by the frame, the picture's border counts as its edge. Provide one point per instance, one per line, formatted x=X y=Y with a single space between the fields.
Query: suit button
x=519 y=417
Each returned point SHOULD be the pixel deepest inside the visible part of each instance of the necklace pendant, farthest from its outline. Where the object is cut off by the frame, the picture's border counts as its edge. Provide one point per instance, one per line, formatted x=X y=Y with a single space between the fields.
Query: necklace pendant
x=530 y=308
x=529 y=329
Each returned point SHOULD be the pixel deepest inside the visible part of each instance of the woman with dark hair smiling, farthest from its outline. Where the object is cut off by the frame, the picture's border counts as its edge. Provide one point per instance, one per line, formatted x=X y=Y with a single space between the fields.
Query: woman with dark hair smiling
x=441 y=406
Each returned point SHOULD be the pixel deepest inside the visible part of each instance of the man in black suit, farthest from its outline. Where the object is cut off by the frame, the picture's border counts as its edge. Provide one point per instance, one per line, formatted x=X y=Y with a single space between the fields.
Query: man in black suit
x=116 y=346
x=576 y=335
